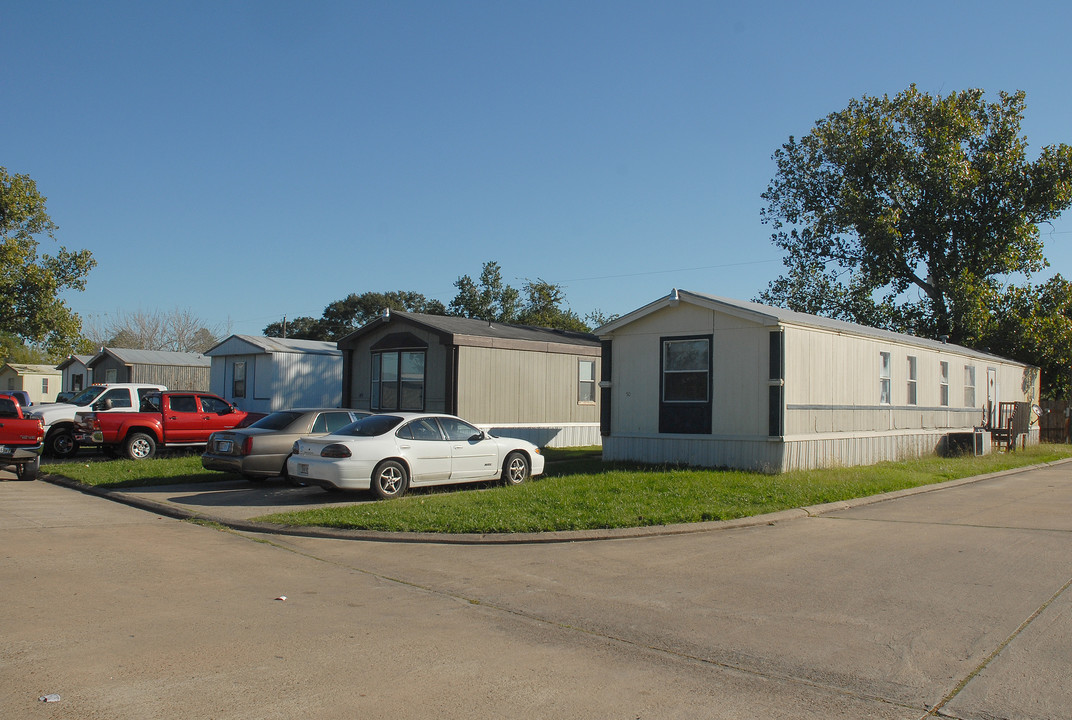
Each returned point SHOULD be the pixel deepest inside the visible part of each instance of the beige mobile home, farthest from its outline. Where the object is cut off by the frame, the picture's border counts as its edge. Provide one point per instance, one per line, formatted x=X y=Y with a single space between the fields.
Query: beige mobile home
x=40 y=382
x=529 y=382
x=712 y=382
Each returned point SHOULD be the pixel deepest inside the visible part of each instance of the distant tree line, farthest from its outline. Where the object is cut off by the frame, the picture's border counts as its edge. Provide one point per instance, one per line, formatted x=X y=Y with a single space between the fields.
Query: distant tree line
x=538 y=303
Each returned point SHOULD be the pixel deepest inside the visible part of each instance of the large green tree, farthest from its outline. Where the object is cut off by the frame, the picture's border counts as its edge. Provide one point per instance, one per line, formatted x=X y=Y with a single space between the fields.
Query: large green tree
x=30 y=281
x=910 y=212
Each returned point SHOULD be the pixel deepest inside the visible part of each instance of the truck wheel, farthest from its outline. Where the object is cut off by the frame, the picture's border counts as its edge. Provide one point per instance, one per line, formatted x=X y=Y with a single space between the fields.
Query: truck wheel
x=28 y=470
x=140 y=446
x=61 y=443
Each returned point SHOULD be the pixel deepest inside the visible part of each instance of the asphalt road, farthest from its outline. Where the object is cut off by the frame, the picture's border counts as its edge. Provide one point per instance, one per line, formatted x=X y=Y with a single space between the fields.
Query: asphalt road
x=952 y=603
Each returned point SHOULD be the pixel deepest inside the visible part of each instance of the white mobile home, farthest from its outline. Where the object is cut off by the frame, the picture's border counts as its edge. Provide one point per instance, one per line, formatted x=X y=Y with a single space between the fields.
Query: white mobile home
x=265 y=374
x=40 y=382
x=76 y=374
x=707 y=381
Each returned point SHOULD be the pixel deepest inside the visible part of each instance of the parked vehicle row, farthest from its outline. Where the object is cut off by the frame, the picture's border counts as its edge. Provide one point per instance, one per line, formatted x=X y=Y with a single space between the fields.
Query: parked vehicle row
x=59 y=418
x=385 y=453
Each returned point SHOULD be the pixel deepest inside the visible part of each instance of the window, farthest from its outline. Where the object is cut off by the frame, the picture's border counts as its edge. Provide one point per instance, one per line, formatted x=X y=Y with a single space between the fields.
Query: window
x=969 y=386
x=329 y=422
x=110 y=375
x=238 y=384
x=686 y=370
x=213 y=405
x=884 y=379
x=119 y=397
x=44 y=386
x=912 y=398
x=943 y=384
x=183 y=403
x=76 y=382
x=423 y=429
x=586 y=381
x=398 y=380
x=456 y=430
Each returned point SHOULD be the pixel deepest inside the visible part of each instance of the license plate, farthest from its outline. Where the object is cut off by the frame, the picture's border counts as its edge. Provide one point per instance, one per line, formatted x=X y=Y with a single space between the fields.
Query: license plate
x=303 y=468
x=224 y=446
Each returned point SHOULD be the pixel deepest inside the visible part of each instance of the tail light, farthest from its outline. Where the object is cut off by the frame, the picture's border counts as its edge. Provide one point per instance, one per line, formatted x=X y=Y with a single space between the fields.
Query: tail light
x=247 y=445
x=335 y=450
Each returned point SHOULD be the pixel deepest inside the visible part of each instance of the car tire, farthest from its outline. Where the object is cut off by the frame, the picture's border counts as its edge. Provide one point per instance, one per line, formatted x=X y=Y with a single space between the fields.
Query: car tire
x=515 y=469
x=28 y=470
x=61 y=443
x=140 y=446
x=285 y=474
x=390 y=480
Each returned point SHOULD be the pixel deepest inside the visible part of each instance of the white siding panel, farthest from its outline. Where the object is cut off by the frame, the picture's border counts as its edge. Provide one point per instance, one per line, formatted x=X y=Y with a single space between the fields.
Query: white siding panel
x=304 y=380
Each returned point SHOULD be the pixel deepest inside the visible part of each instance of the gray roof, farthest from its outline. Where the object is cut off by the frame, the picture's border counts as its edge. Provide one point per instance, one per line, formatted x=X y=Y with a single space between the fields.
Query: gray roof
x=274 y=344
x=770 y=315
x=32 y=369
x=459 y=326
x=72 y=359
x=130 y=356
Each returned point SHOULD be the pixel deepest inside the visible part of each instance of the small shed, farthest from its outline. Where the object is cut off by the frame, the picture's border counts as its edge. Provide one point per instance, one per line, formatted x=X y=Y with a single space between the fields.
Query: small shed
x=174 y=370
x=713 y=382
x=76 y=374
x=265 y=374
x=40 y=382
x=534 y=383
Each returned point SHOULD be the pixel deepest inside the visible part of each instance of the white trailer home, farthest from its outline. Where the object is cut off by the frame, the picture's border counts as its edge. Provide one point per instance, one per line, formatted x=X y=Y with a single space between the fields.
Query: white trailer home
x=265 y=374
x=707 y=381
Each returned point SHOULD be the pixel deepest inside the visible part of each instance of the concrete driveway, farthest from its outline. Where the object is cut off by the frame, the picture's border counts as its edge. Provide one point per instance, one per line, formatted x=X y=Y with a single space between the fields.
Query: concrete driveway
x=952 y=603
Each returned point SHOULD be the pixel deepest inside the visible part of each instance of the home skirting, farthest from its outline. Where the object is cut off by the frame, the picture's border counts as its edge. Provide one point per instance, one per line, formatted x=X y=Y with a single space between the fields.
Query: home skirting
x=778 y=454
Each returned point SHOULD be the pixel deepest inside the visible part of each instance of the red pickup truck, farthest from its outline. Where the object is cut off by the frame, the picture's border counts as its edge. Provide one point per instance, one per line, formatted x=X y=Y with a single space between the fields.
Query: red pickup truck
x=168 y=419
x=21 y=439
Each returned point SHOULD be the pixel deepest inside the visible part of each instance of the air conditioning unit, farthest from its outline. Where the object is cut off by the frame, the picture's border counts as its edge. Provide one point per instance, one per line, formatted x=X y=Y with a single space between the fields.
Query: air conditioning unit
x=981 y=441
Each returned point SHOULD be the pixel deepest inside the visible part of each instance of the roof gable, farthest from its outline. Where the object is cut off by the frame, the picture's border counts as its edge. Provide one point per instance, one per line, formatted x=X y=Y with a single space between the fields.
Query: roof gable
x=259 y=344
x=472 y=331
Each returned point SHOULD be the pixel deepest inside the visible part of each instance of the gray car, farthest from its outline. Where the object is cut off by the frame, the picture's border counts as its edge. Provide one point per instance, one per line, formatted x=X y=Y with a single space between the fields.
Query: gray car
x=261 y=450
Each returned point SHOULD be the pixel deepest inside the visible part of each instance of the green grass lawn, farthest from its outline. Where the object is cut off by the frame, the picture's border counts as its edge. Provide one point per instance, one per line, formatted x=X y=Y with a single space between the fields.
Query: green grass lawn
x=138 y=473
x=579 y=492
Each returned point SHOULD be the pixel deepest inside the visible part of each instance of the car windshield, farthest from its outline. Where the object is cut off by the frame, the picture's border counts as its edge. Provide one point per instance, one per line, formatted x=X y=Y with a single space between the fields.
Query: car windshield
x=370 y=426
x=88 y=395
x=277 y=420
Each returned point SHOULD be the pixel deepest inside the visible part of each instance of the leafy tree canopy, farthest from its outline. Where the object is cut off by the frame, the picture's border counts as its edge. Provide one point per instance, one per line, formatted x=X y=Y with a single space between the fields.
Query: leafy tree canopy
x=31 y=282
x=342 y=317
x=491 y=300
x=907 y=212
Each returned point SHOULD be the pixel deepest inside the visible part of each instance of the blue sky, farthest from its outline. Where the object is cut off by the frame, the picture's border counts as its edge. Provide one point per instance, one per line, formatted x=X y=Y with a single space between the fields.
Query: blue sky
x=249 y=160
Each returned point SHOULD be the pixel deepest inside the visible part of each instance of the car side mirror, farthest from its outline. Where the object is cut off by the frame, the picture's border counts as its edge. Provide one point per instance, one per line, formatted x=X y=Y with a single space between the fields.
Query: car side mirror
x=478 y=437
x=102 y=405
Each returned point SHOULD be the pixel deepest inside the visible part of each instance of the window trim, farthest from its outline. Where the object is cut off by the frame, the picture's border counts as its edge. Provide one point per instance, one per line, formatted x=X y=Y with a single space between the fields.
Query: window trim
x=377 y=382
x=943 y=383
x=663 y=372
x=911 y=382
x=238 y=384
x=885 y=378
x=583 y=384
x=969 y=374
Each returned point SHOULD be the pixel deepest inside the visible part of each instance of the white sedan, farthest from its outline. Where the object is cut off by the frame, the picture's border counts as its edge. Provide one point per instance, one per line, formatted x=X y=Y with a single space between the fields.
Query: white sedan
x=389 y=453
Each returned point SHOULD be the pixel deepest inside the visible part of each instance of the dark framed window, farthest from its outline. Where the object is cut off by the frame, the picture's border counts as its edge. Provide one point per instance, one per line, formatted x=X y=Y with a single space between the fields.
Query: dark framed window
x=238 y=385
x=685 y=395
x=398 y=380
x=687 y=370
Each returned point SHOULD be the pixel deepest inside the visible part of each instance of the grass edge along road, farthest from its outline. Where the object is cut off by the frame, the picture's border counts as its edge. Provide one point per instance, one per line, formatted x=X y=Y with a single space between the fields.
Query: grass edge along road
x=580 y=492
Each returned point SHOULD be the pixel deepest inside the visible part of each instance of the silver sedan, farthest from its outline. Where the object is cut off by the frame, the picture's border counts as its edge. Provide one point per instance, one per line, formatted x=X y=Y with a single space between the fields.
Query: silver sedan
x=260 y=451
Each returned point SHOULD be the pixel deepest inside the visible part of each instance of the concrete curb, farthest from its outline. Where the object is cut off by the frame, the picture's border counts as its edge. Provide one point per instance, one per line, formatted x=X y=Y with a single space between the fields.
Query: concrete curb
x=563 y=536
